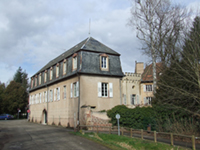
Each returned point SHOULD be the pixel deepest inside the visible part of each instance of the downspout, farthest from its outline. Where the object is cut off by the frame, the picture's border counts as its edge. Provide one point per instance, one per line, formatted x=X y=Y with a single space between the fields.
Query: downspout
x=120 y=85
x=47 y=101
x=78 y=99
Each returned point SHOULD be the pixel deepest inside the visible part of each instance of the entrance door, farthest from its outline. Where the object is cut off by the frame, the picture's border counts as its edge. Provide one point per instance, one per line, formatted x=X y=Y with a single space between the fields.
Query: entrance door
x=45 y=116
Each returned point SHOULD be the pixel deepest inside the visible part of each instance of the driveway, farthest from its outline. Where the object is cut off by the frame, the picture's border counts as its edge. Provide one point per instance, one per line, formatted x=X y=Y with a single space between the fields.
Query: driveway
x=21 y=135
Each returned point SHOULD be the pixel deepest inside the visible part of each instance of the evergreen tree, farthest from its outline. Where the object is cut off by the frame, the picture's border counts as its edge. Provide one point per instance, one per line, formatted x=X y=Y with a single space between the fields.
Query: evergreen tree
x=21 y=77
x=179 y=85
x=2 y=89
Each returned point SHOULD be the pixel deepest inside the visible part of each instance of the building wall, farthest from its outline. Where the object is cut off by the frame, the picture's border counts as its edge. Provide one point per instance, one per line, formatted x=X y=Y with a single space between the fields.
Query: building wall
x=131 y=86
x=58 y=111
x=145 y=93
x=61 y=112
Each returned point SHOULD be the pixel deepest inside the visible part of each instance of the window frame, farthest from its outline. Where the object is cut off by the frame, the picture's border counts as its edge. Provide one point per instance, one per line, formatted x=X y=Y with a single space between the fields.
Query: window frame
x=74 y=62
x=57 y=70
x=45 y=76
x=64 y=67
x=51 y=73
x=35 y=80
x=40 y=78
x=133 y=100
x=104 y=89
x=104 y=62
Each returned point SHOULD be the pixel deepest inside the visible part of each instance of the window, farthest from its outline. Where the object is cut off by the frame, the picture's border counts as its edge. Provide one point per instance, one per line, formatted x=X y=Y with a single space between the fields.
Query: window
x=40 y=96
x=148 y=88
x=133 y=102
x=105 y=89
x=124 y=99
x=51 y=73
x=50 y=95
x=58 y=93
x=40 y=76
x=104 y=62
x=75 y=63
x=74 y=89
x=31 y=82
x=64 y=67
x=45 y=96
x=64 y=92
x=57 y=70
x=35 y=80
x=148 y=100
x=45 y=76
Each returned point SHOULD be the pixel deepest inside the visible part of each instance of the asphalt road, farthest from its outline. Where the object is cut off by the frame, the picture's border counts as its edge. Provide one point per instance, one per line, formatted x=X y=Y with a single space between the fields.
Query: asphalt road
x=23 y=135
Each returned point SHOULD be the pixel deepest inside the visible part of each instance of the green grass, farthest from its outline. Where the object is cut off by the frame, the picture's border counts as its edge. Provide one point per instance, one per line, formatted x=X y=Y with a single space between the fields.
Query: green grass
x=116 y=142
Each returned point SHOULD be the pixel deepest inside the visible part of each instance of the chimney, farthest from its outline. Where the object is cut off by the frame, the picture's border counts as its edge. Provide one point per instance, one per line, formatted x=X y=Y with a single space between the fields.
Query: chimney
x=139 y=67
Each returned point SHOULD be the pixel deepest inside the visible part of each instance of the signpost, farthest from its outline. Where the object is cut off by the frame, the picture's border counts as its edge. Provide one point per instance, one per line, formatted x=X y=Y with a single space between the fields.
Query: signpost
x=118 y=117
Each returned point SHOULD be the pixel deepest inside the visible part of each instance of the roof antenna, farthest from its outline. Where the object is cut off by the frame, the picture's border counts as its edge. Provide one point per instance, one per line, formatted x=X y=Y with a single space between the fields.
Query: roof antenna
x=89 y=26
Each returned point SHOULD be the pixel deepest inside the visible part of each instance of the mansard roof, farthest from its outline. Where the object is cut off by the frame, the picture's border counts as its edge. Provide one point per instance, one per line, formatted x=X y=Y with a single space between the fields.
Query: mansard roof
x=89 y=44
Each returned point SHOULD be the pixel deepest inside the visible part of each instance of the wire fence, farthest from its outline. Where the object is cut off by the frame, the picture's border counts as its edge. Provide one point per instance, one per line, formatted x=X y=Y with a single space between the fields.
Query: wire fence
x=189 y=141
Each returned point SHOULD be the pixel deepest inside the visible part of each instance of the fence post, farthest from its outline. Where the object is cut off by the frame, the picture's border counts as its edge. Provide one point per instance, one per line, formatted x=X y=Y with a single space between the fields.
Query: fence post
x=122 y=131
x=110 y=130
x=193 y=143
x=142 y=134
x=97 y=130
x=155 y=139
x=131 y=133
x=172 y=140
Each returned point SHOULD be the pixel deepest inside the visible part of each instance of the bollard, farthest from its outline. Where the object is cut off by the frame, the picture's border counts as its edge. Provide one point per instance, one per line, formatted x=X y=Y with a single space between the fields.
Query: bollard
x=155 y=140
x=172 y=141
x=193 y=143
x=142 y=134
x=131 y=133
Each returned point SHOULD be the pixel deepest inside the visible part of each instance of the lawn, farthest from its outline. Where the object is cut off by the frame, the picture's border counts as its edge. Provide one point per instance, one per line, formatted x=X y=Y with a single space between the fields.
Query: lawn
x=116 y=142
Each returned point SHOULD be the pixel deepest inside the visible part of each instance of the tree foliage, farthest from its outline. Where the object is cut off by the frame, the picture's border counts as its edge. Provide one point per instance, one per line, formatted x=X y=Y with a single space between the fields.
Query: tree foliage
x=159 y=26
x=179 y=85
x=15 y=95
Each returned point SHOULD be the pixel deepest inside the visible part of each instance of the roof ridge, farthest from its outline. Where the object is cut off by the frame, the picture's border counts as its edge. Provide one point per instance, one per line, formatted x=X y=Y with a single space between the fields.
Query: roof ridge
x=85 y=43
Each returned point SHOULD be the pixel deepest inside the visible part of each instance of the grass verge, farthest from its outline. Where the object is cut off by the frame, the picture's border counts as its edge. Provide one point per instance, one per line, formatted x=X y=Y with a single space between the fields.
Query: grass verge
x=116 y=142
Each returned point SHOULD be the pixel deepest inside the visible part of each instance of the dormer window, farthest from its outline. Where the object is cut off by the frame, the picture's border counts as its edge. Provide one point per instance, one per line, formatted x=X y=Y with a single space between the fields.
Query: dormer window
x=74 y=57
x=104 y=62
x=51 y=73
x=57 y=70
x=40 y=76
x=45 y=76
x=31 y=82
x=64 y=67
x=36 y=80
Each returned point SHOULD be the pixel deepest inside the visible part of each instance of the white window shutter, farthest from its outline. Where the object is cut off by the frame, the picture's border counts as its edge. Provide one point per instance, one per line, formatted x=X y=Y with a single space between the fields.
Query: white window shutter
x=58 y=93
x=144 y=86
x=54 y=95
x=110 y=89
x=71 y=92
x=99 y=89
x=138 y=99
x=77 y=88
x=145 y=101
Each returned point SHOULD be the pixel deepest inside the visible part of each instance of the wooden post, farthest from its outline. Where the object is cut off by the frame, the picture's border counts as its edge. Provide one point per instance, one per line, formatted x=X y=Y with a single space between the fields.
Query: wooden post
x=142 y=134
x=193 y=143
x=131 y=133
x=122 y=131
x=110 y=130
x=155 y=140
x=97 y=130
x=172 y=140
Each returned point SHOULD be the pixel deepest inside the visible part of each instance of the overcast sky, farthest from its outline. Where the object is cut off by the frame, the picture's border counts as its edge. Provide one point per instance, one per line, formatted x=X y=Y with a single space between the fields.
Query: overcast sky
x=33 y=32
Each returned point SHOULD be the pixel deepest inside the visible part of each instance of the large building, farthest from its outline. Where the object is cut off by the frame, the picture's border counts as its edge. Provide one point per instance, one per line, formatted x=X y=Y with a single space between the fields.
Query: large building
x=86 y=76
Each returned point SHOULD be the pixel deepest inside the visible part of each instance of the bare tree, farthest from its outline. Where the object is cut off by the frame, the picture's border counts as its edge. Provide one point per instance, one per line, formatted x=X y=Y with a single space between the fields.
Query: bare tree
x=159 y=25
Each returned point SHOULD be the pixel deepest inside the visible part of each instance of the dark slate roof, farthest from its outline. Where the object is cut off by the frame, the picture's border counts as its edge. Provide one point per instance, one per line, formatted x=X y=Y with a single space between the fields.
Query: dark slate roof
x=89 y=44
x=148 y=72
